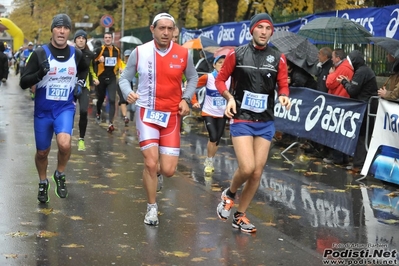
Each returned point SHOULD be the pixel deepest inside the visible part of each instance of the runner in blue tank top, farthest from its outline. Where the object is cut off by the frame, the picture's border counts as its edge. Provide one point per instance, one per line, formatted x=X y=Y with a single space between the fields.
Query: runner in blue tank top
x=58 y=73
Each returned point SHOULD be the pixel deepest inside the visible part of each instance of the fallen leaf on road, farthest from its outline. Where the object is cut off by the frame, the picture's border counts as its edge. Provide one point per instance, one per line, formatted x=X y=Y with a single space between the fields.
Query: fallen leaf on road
x=72 y=246
x=180 y=254
x=294 y=217
x=110 y=192
x=17 y=234
x=76 y=218
x=46 y=234
x=47 y=211
x=99 y=186
x=10 y=256
x=208 y=249
x=198 y=259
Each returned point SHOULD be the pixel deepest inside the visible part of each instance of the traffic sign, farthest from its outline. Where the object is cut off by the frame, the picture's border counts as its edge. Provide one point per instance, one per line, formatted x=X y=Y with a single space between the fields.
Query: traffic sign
x=107 y=21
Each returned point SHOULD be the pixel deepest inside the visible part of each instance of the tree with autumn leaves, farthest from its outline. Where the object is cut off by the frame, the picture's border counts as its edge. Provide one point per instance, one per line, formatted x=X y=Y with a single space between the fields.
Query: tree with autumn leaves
x=34 y=17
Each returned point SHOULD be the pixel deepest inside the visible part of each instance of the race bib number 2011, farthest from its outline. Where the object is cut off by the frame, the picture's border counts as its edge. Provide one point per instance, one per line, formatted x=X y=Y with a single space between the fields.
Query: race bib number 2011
x=254 y=102
x=57 y=94
x=156 y=117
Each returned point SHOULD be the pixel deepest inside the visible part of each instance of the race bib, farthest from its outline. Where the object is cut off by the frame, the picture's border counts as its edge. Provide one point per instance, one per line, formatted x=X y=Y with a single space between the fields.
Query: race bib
x=110 y=61
x=57 y=94
x=218 y=102
x=254 y=102
x=156 y=117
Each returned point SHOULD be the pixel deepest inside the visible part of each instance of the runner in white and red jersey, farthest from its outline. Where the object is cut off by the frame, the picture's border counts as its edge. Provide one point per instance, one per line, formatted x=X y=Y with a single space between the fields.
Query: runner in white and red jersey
x=160 y=103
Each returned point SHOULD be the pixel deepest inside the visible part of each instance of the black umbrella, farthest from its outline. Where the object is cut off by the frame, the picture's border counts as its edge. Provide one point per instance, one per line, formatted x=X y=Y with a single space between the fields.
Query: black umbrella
x=297 y=49
x=388 y=44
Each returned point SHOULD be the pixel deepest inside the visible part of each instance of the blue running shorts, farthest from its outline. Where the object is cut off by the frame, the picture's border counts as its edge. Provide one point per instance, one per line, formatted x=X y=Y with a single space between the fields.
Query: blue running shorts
x=46 y=126
x=265 y=130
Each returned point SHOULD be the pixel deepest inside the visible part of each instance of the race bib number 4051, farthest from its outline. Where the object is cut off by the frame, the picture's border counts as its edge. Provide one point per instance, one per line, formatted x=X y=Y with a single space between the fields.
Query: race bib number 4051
x=156 y=117
x=254 y=102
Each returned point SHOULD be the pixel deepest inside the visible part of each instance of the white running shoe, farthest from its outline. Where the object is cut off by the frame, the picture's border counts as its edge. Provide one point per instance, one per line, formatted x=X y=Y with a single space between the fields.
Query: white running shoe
x=224 y=207
x=151 y=218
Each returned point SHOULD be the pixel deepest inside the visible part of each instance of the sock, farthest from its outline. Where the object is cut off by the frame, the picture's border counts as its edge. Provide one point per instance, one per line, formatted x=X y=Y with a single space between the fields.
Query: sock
x=45 y=181
x=149 y=206
x=237 y=214
x=81 y=138
x=57 y=174
x=230 y=194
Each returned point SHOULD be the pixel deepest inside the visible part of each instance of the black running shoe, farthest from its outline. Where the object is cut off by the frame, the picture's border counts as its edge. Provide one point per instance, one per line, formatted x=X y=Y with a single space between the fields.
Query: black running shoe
x=43 y=196
x=61 y=189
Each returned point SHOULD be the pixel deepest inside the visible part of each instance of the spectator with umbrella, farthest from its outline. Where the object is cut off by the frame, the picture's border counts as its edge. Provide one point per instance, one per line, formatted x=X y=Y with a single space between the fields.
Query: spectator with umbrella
x=390 y=89
x=298 y=77
x=362 y=87
x=323 y=68
x=341 y=67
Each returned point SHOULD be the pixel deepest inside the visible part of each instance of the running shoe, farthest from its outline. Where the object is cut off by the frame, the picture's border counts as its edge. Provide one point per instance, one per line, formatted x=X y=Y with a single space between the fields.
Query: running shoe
x=110 y=128
x=209 y=166
x=240 y=221
x=160 y=182
x=224 y=207
x=126 y=120
x=43 y=196
x=151 y=218
x=98 y=118
x=61 y=189
x=81 y=145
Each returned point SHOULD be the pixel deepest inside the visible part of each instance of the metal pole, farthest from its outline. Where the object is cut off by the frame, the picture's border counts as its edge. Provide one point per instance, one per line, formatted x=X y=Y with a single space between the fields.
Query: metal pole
x=122 y=24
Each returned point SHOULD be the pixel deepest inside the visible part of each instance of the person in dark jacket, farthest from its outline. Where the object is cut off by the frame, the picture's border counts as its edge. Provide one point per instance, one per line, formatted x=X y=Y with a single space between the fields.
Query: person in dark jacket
x=250 y=108
x=298 y=77
x=323 y=68
x=80 y=40
x=3 y=63
x=362 y=87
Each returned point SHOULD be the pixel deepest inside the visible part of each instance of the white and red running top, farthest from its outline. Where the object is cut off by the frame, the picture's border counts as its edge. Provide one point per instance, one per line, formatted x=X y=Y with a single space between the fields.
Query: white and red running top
x=160 y=76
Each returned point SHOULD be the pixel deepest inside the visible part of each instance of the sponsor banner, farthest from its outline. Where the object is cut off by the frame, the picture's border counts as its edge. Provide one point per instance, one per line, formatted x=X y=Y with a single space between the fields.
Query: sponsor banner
x=324 y=118
x=381 y=22
x=382 y=159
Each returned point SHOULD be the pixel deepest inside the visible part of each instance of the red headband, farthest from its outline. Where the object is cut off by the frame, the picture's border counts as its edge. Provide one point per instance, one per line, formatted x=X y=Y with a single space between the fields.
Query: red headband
x=261 y=21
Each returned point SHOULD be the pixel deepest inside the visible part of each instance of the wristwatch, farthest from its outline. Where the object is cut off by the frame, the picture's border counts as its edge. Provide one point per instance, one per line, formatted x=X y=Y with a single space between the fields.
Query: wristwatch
x=187 y=100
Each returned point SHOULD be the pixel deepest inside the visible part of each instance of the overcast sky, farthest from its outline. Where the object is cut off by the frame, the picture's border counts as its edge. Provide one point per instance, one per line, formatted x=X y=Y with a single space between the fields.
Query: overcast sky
x=7 y=4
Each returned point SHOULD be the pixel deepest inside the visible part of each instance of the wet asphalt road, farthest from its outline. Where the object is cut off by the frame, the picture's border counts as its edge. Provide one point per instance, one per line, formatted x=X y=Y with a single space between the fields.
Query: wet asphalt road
x=302 y=206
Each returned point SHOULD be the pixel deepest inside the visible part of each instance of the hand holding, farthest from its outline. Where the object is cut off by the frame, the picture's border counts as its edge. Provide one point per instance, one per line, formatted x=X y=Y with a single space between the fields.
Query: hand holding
x=196 y=106
x=285 y=101
x=230 y=108
x=78 y=88
x=132 y=97
x=382 y=92
x=43 y=69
